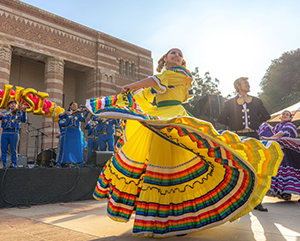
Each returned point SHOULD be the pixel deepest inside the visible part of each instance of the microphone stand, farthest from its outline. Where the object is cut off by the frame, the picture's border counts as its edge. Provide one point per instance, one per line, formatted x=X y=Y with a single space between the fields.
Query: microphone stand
x=52 y=151
x=93 y=152
x=15 y=132
x=37 y=140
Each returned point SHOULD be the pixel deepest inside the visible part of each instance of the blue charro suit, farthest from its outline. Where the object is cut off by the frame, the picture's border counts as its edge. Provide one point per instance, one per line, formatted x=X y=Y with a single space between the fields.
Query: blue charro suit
x=72 y=145
x=93 y=136
x=10 y=134
x=106 y=129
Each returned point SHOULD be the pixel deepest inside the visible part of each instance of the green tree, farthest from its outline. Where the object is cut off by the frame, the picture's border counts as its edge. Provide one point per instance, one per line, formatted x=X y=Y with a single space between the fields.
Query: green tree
x=206 y=85
x=281 y=83
x=201 y=87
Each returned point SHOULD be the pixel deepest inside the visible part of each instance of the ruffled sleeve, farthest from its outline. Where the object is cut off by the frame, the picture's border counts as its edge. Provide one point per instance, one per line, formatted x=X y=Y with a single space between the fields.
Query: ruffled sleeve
x=289 y=130
x=265 y=130
x=161 y=81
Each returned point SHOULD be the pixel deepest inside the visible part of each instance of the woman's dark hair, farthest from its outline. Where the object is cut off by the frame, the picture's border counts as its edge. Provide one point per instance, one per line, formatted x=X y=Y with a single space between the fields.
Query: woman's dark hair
x=70 y=105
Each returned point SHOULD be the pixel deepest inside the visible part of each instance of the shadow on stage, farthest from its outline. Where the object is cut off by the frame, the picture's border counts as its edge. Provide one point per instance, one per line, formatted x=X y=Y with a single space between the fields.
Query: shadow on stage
x=280 y=223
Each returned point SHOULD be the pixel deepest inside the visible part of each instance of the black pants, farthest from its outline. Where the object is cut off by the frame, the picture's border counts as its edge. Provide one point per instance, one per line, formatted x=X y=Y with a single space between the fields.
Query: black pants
x=253 y=134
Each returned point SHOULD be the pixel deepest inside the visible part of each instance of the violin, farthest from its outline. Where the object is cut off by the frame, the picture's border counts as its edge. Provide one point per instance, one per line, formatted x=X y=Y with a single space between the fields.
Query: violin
x=77 y=111
x=22 y=108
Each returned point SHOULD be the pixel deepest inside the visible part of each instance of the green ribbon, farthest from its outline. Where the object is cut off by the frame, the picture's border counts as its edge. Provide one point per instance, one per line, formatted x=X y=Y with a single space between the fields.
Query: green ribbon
x=168 y=103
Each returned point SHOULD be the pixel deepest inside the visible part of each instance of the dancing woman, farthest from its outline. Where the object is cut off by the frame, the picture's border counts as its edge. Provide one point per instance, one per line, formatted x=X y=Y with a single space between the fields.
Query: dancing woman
x=287 y=180
x=174 y=171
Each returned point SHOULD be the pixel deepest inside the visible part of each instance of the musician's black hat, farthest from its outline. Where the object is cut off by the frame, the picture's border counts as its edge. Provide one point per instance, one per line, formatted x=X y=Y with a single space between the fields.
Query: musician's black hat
x=12 y=101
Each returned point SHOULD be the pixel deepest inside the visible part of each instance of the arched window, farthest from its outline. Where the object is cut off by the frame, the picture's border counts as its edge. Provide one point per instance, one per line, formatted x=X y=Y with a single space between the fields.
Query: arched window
x=106 y=77
x=121 y=66
x=127 y=68
x=110 y=79
x=132 y=71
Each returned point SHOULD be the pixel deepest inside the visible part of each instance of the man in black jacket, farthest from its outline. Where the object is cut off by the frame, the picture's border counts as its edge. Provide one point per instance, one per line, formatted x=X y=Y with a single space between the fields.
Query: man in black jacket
x=244 y=114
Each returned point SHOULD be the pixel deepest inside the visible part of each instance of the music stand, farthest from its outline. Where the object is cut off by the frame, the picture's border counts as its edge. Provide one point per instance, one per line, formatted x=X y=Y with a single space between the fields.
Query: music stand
x=36 y=143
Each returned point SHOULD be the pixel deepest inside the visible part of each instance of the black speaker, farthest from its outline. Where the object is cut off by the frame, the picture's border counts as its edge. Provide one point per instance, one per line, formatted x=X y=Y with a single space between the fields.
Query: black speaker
x=101 y=157
x=211 y=105
x=21 y=161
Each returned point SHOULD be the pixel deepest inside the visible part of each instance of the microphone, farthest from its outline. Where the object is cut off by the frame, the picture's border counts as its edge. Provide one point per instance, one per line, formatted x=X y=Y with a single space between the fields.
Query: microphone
x=82 y=106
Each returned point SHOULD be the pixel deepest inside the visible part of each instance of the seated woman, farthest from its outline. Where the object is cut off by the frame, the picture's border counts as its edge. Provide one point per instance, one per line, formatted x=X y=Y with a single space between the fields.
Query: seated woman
x=287 y=180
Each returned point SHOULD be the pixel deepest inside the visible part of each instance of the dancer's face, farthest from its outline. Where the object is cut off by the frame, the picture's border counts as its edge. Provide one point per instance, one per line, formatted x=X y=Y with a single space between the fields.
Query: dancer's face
x=174 y=58
x=244 y=86
x=286 y=116
x=12 y=106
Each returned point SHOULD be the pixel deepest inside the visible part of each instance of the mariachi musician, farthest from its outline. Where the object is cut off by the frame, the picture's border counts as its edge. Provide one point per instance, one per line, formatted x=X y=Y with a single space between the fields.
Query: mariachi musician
x=106 y=130
x=10 y=131
x=93 y=136
x=72 y=146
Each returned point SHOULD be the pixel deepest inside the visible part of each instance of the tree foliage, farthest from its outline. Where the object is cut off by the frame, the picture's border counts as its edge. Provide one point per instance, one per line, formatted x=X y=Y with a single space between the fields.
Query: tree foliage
x=201 y=87
x=206 y=85
x=281 y=83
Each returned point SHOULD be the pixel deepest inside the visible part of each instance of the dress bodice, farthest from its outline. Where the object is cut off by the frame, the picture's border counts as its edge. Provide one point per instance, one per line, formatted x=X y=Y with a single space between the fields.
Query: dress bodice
x=173 y=84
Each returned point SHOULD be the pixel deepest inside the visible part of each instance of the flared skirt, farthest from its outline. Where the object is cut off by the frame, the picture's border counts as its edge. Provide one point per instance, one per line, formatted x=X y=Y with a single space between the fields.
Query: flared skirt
x=179 y=175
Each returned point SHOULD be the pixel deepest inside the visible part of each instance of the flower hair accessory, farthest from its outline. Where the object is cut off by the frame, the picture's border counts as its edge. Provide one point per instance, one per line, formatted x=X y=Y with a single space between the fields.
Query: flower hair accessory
x=292 y=116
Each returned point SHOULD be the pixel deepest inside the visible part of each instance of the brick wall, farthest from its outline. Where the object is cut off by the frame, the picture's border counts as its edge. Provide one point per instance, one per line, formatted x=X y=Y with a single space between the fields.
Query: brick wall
x=90 y=58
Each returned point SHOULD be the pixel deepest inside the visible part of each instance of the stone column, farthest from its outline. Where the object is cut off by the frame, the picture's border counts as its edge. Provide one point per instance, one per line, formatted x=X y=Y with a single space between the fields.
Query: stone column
x=5 y=63
x=54 y=82
x=91 y=81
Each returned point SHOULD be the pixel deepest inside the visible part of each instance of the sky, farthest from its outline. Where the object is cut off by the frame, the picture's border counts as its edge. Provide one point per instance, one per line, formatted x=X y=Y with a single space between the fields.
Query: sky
x=229 y=39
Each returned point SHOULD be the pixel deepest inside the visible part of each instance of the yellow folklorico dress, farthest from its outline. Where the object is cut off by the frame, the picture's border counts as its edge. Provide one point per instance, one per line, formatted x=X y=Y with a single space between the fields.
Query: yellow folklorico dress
x=176 y=173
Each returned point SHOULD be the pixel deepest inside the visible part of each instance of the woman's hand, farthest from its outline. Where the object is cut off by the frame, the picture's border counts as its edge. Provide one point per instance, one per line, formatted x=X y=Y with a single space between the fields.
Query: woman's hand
x=147 y=82
x=126 y=88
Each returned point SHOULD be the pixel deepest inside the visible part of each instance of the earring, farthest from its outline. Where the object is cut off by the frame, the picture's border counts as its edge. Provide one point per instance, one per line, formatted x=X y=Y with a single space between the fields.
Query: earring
x=166 y=65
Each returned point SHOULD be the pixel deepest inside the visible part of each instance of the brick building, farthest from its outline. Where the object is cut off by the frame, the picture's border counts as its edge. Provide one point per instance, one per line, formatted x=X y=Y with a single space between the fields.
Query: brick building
x=67 y=60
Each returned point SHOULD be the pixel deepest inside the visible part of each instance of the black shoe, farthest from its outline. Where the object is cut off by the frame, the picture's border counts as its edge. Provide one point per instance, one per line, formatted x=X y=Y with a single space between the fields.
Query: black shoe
x=286 y=196
x=261 y=208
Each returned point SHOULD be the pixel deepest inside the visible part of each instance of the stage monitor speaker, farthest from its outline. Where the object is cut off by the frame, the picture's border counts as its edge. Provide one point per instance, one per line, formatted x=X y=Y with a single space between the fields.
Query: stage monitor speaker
x=101 y=157
x=22 y=161
x=211 y=105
